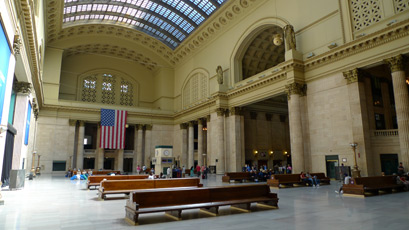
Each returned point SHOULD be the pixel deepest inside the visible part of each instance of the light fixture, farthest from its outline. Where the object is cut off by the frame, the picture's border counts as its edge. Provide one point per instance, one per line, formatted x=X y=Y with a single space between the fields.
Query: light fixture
x=126 y=126
x=255 y=152
x=355 y=171
x=277 y=39
x=204 y=128
x=285 y=152
x=407 y=81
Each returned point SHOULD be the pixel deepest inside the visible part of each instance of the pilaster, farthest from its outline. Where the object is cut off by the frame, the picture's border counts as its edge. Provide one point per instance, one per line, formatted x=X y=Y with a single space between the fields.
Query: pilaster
x=190 y=145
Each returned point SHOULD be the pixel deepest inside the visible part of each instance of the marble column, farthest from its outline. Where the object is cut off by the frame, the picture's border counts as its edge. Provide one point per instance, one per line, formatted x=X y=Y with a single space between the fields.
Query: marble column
x=22 y=90
x=295 y=91
x=80 y=145
x=120 y=163
x=400 y=92
x=236 y=136
x=359 y=123
x=191 y=149
x=148 y=147
x=219 y=141
x=200 y=142
x=208 y=138
x=99 y=151
x=137 y=159
x=184 y=159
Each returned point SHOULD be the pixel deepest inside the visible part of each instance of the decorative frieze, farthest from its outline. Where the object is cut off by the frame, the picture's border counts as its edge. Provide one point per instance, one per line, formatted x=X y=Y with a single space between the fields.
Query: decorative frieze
x=395 y=63
x=296 y=88
x=22 y=87
x=352 y=76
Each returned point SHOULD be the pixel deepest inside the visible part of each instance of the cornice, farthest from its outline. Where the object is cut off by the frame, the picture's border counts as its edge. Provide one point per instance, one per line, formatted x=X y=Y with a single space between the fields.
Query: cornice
x=362 y=44
x=27 y=23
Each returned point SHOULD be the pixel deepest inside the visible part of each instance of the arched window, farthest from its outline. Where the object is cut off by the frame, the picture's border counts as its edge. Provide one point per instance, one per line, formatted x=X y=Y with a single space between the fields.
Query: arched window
x=108 y=88
x=195 y=89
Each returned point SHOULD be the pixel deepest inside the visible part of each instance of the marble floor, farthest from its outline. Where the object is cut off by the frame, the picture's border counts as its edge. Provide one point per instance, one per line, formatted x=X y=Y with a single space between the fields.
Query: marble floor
x=55 y=202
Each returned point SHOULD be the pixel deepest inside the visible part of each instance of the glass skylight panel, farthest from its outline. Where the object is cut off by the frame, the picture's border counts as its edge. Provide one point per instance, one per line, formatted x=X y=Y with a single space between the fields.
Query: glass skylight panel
x=177 y=18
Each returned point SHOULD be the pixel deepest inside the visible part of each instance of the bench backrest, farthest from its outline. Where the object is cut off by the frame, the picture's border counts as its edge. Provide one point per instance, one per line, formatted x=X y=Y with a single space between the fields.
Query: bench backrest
x=97 y=179
x=177 y=182
x=238 y=192
x=237 y=175
x=105 y=172
x=181 y=196
x=112 y=185
x=319 y=175
x=375 y=181
x=286 y=177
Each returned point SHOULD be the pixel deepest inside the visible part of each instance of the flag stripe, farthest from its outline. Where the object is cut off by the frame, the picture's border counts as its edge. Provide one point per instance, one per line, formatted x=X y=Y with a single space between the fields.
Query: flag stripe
x=112 y=134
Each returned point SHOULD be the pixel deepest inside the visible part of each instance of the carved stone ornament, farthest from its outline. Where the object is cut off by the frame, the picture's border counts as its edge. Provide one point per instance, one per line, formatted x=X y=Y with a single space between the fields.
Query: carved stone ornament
x=200 y=121
x=16 y=44
x=148 y=127
x=269 y=116
x=139 y=127
x=72 y=122
x=208 y=118
x=219 y=72
x=220 y=111
x=22 y=87
x=191 y=123
x=352 y=76
x=236 y=111
x=296 y=88
x=395 y=63
x=289 y=37
x=183 y=126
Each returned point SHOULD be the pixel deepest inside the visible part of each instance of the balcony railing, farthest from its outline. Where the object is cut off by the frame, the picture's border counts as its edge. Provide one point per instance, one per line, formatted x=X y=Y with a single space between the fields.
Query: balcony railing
x=385 y=133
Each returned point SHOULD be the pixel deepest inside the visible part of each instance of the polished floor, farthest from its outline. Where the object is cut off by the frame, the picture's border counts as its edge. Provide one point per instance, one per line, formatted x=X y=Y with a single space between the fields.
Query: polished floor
x=55 y=202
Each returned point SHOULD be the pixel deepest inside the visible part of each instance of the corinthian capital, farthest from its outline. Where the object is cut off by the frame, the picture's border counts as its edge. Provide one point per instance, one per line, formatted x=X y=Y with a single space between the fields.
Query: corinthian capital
x=296 y=88
x=352 y=76
x=395 y=63
x=22 y=87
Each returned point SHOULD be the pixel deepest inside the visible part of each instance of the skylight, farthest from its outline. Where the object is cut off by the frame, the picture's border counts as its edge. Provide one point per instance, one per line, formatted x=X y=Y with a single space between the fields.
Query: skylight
x=170 y=21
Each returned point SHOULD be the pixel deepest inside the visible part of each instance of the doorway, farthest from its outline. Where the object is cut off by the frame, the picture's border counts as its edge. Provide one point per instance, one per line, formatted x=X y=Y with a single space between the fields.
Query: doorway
x=109 y=163
x=128 y=164
x=331 y=162
x=89 y=163
x=389 y=163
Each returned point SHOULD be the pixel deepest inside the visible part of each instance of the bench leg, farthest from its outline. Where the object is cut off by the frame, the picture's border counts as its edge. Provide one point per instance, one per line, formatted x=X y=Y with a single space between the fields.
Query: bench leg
x=131 y=217
x=101 y=196
x=176 y=214
x=269 y=204
x=241 y=207
x=213 y=211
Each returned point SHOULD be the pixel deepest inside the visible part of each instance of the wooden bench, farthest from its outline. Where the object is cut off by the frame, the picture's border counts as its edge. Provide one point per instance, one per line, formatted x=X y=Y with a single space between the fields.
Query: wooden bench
x=127 y=186
x=284 y=179
x=173 y=201
x=364 y=186
x=323 y=179
x=236 y=176
x=95 y=180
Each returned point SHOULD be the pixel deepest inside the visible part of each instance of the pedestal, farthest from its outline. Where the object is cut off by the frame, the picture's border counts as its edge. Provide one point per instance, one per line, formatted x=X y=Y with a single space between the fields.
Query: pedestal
x=356 y=172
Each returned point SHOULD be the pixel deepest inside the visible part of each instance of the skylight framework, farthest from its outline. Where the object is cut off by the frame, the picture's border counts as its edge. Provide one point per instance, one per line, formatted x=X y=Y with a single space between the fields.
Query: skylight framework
x=170 y=21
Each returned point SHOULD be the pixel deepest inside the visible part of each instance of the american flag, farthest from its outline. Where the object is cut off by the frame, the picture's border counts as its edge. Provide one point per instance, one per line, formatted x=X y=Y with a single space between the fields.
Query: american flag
x=113 y=129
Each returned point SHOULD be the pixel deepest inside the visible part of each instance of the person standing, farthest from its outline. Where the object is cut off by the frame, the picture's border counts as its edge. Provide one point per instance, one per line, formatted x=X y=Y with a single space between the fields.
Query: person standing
x=198 y=170
x=192 y=171
x=401 y=169
x=183 y=171
x=168 y=173
x=143 y=169
x=138 y=169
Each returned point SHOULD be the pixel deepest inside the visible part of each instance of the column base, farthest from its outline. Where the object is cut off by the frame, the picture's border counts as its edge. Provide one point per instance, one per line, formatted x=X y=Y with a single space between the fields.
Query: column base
x=356 y=172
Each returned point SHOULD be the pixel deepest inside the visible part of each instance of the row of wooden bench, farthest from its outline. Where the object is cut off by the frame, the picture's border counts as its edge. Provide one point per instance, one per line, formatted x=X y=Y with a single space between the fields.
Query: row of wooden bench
x=375 y=185
x=277 y=180
x=174 y=195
